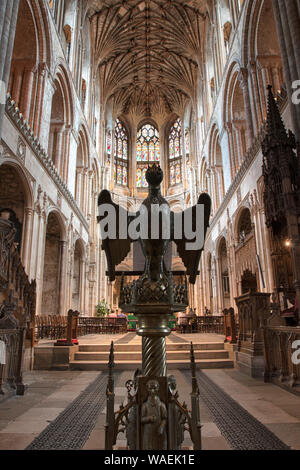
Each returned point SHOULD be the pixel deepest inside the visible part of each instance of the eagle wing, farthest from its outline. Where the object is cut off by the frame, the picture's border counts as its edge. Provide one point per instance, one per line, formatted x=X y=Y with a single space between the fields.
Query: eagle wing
x=191 y=258
x=116 y=249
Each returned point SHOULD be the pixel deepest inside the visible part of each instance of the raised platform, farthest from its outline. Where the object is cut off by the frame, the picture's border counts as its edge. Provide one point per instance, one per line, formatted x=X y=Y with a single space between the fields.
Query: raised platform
x=208 y=354
x=92 y=353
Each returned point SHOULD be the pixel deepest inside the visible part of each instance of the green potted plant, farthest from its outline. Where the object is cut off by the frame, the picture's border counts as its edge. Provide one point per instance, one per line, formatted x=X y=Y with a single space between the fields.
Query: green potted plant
x=102 y=309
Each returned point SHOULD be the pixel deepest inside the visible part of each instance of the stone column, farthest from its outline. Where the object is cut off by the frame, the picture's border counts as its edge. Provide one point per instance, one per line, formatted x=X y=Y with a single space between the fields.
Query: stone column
x=27 y=93
x=256 y=101
x=65 y=155
x=82 y=286
x=243 y=78
x=17 y=84
x=42 y=69
x=41 y=261
x=78 y=189
x=26 y=245
x=58 y=149
x=62 y=278
x=8 y=21
x=220 y=305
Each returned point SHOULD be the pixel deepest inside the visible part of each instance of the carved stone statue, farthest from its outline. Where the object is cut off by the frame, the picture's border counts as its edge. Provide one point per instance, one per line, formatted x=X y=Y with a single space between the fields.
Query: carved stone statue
x=154 y=420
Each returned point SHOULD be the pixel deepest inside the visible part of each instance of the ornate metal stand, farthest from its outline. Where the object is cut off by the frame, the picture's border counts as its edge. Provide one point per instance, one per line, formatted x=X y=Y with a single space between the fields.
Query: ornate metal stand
x=153 y=418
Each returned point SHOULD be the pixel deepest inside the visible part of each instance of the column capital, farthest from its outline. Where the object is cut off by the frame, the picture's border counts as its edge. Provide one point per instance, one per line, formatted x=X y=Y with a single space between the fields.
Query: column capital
x=29 y=211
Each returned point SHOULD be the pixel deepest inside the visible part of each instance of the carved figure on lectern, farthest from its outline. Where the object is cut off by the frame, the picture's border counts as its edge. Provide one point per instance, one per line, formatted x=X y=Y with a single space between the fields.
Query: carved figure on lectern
x=154 y=420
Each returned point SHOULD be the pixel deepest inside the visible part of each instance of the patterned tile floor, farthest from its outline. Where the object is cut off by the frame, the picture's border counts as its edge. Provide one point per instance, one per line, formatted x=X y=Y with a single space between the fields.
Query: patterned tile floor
x=50 y=392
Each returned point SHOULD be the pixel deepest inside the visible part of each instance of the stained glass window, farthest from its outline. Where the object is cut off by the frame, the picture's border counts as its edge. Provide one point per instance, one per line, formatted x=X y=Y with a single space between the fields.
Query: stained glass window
x=120 y=154
x=175 y=152
x=139 y=178
x=108 y=142
x=147 y=151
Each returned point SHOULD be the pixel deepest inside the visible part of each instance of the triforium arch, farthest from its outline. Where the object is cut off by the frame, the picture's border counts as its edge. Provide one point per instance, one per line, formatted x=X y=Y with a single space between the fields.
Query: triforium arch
x=216 y=168
x=61 y=123
x=30 y=58
x=83 y=166
x=53 y=285
x=235 y=118
x=261 y=55
x=204 y=177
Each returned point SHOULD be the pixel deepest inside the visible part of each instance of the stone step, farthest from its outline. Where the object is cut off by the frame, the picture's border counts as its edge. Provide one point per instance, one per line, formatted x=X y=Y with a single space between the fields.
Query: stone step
x=137 y=347
x=137 y=356
x=171 y=364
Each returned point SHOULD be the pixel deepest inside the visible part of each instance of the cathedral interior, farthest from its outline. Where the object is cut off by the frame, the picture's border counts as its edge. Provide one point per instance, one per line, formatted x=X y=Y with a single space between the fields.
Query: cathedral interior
x=92 y=93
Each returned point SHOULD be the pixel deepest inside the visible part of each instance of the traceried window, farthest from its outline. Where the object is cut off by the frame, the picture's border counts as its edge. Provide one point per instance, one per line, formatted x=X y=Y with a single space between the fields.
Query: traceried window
x=108 y=142
x=121 y=154
x=175 y=153
x=147 y=152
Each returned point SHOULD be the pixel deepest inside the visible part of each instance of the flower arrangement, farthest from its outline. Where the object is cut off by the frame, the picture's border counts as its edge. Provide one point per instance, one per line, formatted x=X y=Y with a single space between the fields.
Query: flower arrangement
x=102 y=309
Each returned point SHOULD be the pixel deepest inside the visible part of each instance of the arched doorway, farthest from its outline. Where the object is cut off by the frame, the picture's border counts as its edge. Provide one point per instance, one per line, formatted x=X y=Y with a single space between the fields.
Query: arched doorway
x=16 y=200
x=53 y=266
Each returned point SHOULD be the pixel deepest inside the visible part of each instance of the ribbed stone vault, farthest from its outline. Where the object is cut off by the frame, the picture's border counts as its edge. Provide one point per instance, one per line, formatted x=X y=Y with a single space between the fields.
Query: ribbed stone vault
x=148 y=54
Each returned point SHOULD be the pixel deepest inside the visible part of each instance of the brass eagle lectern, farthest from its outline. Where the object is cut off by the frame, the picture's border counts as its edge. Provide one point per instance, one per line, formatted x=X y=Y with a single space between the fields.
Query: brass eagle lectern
x=153 y=418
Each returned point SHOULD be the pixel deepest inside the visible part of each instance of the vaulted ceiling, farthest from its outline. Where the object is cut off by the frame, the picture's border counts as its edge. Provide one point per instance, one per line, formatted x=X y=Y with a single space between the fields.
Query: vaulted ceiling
x=148 y=53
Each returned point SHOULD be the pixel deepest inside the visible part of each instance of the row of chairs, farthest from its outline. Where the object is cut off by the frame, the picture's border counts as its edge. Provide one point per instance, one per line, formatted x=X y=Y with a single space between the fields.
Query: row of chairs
x=101 y=325
x=55 y=326
x=213 y=324
x=50 y=326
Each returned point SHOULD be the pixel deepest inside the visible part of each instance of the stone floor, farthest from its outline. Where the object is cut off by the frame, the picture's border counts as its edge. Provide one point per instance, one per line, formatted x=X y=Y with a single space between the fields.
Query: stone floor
x=49 y=392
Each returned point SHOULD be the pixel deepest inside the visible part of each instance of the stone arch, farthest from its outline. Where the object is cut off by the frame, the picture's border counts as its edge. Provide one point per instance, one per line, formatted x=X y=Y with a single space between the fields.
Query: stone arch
x=261 y=50
x=204 y=179
x=25 y=58
x=16 y=198
x=83 y=165
x=243 y=222
x=234 y=117
x=61 y=123
x=54 y=260
x=31 y=54
x=217 y=186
